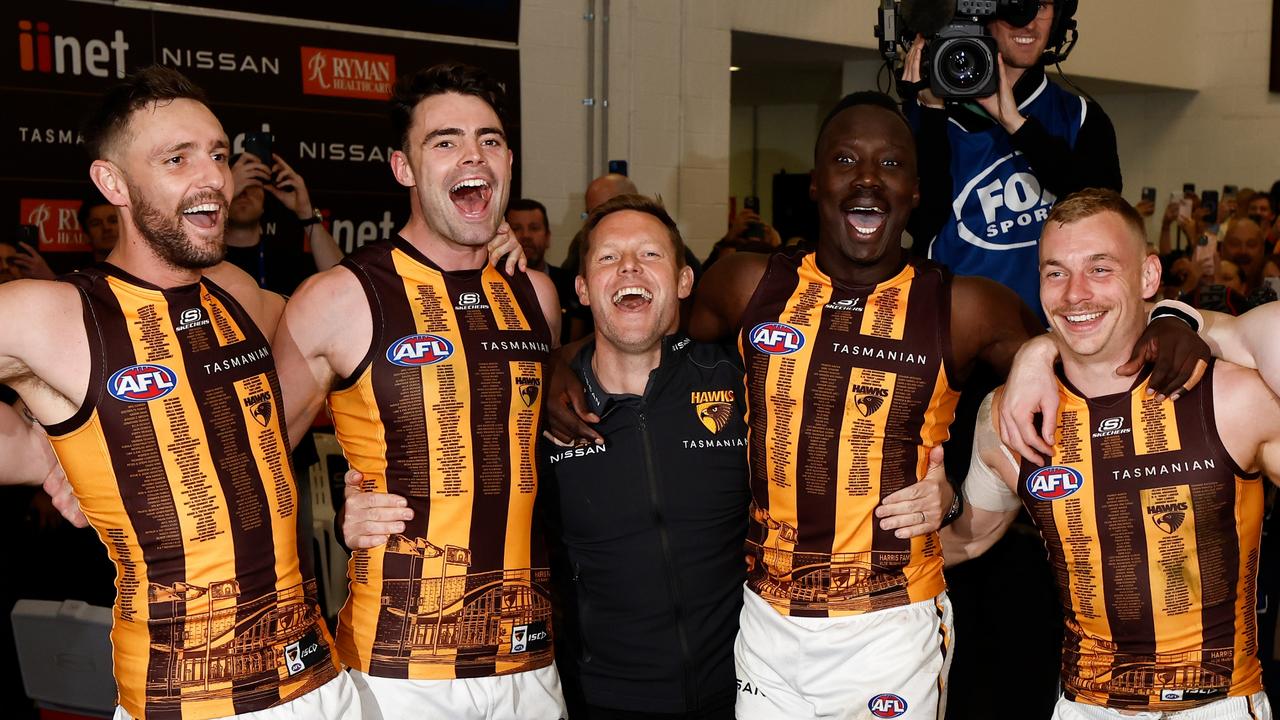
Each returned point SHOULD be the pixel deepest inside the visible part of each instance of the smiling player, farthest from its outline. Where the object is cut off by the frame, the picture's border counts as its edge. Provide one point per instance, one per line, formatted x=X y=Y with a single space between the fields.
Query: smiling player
x=1151 y=511
x=433 y=364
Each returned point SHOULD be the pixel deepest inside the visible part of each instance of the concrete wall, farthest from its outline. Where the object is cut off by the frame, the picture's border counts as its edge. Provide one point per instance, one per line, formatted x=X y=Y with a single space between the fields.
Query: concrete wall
x=1185 y=82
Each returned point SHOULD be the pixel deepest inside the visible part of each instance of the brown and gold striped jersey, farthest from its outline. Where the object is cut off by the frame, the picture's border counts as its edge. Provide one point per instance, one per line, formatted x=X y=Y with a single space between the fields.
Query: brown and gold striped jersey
x=444 y=410
x=847 y=390
x=1153 y=532
x=180 y=458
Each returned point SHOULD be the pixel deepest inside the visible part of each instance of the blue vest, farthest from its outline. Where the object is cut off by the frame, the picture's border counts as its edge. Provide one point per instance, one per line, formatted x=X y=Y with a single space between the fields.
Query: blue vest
x=998 y=204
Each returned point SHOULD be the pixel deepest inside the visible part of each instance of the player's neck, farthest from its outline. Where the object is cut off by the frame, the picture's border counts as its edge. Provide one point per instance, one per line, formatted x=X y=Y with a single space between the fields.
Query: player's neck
x=134 y=255
x=247 y=235
x=446 y=254
x=1095 y=375
x=624 y=372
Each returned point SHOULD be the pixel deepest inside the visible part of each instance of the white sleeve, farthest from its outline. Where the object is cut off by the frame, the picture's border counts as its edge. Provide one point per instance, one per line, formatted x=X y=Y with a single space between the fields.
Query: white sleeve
x=983 y=487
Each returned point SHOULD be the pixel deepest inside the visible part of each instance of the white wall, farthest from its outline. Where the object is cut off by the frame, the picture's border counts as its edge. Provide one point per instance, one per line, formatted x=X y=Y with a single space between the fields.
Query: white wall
x=1185 y=82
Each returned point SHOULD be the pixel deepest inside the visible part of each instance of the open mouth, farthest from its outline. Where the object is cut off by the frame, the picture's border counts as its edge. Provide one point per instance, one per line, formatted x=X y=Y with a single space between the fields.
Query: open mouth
x=865 y=219
x=204 y=216
x=1024 y=39
x=632 y=298
x=471 y=196
x=1083 y=320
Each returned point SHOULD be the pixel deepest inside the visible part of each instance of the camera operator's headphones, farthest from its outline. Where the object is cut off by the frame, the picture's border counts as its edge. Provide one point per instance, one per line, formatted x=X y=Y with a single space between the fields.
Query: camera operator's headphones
x=1063 y=35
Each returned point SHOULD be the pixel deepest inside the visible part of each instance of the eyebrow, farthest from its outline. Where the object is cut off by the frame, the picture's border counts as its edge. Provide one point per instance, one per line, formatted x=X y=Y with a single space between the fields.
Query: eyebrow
x=1094 y=257
x=453 y=131
x=176 y=147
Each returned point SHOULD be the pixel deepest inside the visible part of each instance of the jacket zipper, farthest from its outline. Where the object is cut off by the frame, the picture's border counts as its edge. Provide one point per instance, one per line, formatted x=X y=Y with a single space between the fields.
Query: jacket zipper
x=673 y=583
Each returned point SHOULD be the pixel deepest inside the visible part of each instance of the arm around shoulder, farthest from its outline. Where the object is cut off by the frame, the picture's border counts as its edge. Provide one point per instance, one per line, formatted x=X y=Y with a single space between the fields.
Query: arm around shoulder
x=990 y=501
x=722 y=296
x=989 y=323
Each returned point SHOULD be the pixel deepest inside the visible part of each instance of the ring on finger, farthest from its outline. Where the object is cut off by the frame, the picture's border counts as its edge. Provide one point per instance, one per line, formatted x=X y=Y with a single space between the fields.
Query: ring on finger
x=923 y=517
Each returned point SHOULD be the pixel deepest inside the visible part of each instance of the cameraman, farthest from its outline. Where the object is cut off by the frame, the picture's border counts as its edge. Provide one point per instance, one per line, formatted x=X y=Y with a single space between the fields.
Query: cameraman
x=269 y=242
x=1003 y=160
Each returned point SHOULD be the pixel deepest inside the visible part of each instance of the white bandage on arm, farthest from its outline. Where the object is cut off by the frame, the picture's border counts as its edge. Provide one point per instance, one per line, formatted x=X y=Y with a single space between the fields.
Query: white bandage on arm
x=983 y=486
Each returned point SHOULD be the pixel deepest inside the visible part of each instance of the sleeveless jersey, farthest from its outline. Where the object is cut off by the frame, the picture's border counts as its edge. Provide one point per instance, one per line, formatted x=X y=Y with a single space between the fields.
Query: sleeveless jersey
x=1153 y=534
x=847 y=389
x=999 y=206
x=444 y=410
x=180 y=458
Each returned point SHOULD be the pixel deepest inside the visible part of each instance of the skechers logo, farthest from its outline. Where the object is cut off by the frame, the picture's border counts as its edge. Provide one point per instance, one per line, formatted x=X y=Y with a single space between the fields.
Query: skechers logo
x=142 y=383
x=887 y=705
x=1112 y=426
x=419 y=350
x=776 y=338
x=1054 y=482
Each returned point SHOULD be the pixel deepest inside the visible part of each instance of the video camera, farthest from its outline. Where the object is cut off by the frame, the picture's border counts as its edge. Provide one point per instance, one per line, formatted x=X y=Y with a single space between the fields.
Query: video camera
x=959 y=59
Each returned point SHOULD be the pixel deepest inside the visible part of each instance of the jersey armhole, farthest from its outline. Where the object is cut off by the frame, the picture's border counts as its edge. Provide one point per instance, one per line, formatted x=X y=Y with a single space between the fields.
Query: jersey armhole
x=755 y=294
x=376 y=321
x=97 y=370
x=944 y=342
x=1211 y=425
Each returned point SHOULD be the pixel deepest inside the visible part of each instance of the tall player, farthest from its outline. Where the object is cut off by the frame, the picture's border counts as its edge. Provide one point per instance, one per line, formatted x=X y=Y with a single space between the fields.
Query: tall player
x=159 y=393
x=433 y=365
x=853 y=356
x=1151 y=511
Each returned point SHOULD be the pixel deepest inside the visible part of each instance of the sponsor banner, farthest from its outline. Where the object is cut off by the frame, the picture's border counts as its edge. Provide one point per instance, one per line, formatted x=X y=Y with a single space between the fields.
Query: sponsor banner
x=328 y=115
x=484 y=19
x=56 y=221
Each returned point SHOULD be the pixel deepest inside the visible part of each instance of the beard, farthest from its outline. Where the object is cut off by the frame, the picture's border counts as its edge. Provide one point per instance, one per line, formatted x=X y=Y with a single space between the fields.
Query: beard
x=168 y=238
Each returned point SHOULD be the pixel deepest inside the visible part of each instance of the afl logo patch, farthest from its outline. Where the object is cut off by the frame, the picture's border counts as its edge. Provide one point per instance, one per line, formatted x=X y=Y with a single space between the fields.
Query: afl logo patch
x=887 y=705
x=775 y=338
x=142 y=383
x=1054 y=482
x=419 y=350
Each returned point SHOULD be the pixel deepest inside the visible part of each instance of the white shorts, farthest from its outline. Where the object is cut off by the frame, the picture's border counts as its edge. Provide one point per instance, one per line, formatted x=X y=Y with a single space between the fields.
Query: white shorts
x=334 y=700
x=884 y=664
x=531 y=695
x=1253 y=707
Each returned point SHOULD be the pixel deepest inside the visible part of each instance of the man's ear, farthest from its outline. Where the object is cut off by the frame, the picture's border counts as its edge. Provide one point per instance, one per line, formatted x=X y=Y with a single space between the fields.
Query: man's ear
x=402 y=169
x=684 y=284
x=110 y=182
x=1151 y=276
x=580 y=287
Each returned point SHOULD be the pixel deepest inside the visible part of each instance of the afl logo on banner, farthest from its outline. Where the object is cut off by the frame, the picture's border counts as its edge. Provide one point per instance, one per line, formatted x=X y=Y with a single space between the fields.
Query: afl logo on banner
x=775 y=338
x=419 y=350
x=142 y=383
x=1054 y=482
x=887 y=705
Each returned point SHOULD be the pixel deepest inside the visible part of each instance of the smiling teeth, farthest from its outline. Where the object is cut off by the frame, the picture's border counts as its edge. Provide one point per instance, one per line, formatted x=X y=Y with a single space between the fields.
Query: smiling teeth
x=865 y=208
x=207 y=207
x=1084 y=318
x=619 y=295
x=474 y=182
x=1024 y=40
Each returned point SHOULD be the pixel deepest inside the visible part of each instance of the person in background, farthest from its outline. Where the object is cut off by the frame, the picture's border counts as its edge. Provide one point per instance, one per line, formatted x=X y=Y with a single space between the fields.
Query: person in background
x=528 y=221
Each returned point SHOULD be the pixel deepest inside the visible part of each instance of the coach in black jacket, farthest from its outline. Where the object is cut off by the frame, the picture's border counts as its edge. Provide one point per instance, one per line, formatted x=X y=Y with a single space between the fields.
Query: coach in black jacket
x=653 y=520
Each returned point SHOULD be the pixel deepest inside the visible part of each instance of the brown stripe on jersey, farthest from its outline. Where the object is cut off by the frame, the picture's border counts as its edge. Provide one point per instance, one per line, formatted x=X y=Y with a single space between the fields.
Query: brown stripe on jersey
x=1169 y=502
x=185 y=491
x=864 y=381
x=446 y=434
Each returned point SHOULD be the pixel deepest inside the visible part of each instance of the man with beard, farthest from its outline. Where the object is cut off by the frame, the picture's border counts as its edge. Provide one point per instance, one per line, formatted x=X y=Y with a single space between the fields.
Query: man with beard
x=158 y=390
x=991 y=171
x=434 y=378
x=1151 y=512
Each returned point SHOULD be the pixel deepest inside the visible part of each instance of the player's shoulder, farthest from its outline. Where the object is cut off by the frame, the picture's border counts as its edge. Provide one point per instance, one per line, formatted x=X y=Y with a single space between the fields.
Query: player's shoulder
x=1242 y=398
x=24 y=298
x=1236 y=382
x=334 y=288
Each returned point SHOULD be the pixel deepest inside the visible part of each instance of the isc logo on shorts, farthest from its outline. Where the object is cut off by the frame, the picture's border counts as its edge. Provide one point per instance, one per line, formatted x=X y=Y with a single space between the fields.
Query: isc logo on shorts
x=776 y=338
x=419 y=350
x=887 y=705
x=142 y=383
x=1054 y=482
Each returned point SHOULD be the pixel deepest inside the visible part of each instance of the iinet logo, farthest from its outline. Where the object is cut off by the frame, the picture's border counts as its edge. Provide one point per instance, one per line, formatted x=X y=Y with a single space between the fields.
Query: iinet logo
x=38 y=51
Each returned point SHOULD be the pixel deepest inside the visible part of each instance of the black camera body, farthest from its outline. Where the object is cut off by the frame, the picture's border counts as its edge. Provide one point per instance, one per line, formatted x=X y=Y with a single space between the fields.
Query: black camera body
x=959 y=60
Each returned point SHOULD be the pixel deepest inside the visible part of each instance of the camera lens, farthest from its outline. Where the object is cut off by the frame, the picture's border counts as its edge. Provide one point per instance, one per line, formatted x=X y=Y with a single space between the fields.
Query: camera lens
x=965 y=65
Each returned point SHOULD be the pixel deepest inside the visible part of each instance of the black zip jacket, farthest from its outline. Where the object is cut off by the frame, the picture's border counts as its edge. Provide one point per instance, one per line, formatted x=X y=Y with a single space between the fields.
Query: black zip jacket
x=652 y=525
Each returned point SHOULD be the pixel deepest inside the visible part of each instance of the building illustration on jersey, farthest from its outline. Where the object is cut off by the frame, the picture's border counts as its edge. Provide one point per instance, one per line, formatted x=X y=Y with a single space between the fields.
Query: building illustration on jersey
x=226 y=642
x=449 y=618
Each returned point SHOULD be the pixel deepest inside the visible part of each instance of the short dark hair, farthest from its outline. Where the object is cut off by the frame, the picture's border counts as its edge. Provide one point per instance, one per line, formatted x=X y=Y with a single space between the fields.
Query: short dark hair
x=92 y=199
x=526 y=204
x=110 y=118
x=873 y=98
x=631 y=201
x=458 y=78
